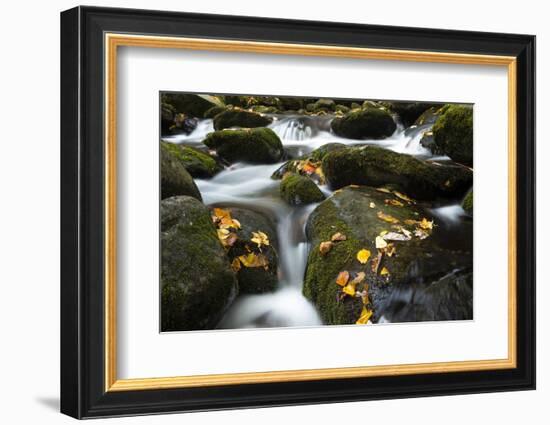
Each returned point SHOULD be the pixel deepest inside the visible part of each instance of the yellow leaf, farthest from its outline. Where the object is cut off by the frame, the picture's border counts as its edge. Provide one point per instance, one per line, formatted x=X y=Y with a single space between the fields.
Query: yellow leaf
x=325 y=247
x=380 y=242
x=394 y=202
x=349 y=289
x=426 y=224
x=387 y=218
x=383 y=232
x=365 y=316
x=384 y=271
x=342 y=278
x=337 y=237
x=383 y=190
x=253 y=260
x=260 y=238
x=403 y=196
x=236 y=223
x=372 y=205
x=223 y=233
x=236 y=265
x=221 y=213
x=363 y=256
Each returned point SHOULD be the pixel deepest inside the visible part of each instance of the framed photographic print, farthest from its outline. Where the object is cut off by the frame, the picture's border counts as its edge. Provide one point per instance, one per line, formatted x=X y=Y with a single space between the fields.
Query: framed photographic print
x=261 y=212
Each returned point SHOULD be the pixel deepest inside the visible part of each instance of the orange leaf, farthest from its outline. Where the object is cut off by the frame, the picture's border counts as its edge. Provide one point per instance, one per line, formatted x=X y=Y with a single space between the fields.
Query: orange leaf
x=342 y=278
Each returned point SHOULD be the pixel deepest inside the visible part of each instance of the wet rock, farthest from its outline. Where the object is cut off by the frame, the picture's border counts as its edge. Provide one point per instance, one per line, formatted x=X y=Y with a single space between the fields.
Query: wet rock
x=409 y=112
x=326 y=105
x=213 y=111
x=253 y=145
x=183 y=124
x=299 y=190
x=197 y=282
x=192 y=105
x=167 y=114
x=453 y=133
x=468 y=202
x=368 y=123
x=415 y=262
x=292 y=103
x=375 y=166
x=255 y=280
x=175 y=180
x=197 y=163
x=429 y=116
x=240 y=118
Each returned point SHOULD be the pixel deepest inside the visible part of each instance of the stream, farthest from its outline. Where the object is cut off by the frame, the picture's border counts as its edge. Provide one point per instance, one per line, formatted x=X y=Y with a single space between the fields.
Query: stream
x=251 y=186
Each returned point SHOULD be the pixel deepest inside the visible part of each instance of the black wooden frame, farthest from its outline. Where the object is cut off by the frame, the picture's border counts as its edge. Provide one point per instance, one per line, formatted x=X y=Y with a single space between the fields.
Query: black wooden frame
x=82 y=211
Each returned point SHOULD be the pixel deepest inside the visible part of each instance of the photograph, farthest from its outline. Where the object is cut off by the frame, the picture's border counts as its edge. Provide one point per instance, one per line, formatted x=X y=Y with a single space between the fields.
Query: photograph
x=280 y=212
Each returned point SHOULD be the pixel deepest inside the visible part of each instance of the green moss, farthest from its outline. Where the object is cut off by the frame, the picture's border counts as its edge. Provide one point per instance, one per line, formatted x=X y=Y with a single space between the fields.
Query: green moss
x=409 y=112
x=189 y=104
x=213 y=111
x=197 y=163
x=175 y=179
x=453 y=133
x=369 y=123
x=239 y=118
x=300 y=190
x=254 y=145
x=375 y=166
x=468 y=202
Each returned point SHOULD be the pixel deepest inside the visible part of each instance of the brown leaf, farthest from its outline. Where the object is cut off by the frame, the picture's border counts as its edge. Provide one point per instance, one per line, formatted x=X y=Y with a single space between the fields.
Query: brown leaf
x=394 y=202
x=387 y=218
x=360 y=277
x=403 y=197
x=342 y=278
x=337 y=237
x=325 y=247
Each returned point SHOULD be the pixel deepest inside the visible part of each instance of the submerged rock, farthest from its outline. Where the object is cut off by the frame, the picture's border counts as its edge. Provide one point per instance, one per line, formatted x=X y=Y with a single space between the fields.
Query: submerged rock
x=362 y=214
x=375 y=166
x=239 y=118
x=299 y=190
x=254 y=145
x=197 y=163
x=174 y=178
x=197 y=282
x=255 y=280
x=368 y=123
x=453 y=133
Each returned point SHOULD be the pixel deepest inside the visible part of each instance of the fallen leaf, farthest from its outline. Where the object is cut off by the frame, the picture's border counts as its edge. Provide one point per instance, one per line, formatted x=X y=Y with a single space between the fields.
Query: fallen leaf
x=342 y=278
x=363 y=256
x=253 y=260
x=410 y=222
x=394 y=202
x=372 y=205
x=309 y=168
x=421 y=234
x=222 y=233
x=387 y=218
x=383 y=190
x=426 y=224
x=349 y=289
x=337 y=237
x=380 y=242
x=260 y=238
x=221 y=213
x=375 y=264
x=394 y=236
x=366 y=314
x=325 y=247
x=384 y=271
x=236 y=223
x=403 y=197
x=360 y=277
x=236 y=264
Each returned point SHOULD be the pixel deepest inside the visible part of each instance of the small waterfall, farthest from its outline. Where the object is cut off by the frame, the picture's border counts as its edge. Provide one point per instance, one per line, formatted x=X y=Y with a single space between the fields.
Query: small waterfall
x=196 y=136
x=295 y=129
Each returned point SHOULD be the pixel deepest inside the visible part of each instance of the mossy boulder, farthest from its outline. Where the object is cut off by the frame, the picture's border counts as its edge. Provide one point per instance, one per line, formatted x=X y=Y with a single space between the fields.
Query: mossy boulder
x=197 y=282
x=415 y=262
x=240 y=118
x=375 y=166
x=300 y=190
x=183 y=124
x=197 y=163
x=167 y=114
x=213 y=111
x=291 y=103
x=453 y=134
x=326 y=105
x=255 y=280
x=174 y=178
x=368 y=123
x=409 y=112
x=253 y=145
x=468 y=202
x=193 y=105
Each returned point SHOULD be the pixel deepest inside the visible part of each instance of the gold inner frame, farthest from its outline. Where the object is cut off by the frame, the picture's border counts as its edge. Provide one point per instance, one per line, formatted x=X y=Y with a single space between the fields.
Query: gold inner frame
x=113 y=41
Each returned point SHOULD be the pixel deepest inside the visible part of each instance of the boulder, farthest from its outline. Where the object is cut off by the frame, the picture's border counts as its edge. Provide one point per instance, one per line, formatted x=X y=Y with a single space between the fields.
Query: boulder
x=326 y=105
x=197 y=163
x=193 y=105
x=453 y=133
x=253 y=145
x=240 y=118
x=197 y=282
x=213 y=111
x=183 y=124
x=255 y=280
x=174 y=178
x=300 y=190
x=292 y=103
x=468 y=202
x=409 y=112
x=362 y=214
x=167 y=114
x=368 y=123
x=375 y=166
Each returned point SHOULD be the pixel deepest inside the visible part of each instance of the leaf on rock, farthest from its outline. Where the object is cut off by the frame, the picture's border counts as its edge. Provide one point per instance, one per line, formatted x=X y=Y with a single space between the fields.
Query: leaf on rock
x=383 y=190
x=363 y=256
x=380 y=242
x=394 y=236
x=342 y=278
x=260 y=238
x=254 y=260
x=372 y=205
x=236 y=264
x=375 y=264
x=337 y=237
x=389 y=250
x=366 y=314
x=394 y=202
x=421 y=234
x=360 y=277
x=384 y=271
x=426 y=224
x=349 y=289
x=325 y=247
x=387 y=218
x=403 y=197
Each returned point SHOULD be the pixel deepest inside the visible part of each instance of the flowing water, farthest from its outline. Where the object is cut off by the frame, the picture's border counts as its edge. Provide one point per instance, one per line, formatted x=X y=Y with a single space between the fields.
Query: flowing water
x=251 y=186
